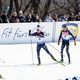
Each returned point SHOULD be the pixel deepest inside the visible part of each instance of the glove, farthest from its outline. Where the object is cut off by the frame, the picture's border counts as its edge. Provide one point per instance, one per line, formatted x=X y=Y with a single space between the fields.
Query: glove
x=29 y=32
x=75 y=43
x=58 y=42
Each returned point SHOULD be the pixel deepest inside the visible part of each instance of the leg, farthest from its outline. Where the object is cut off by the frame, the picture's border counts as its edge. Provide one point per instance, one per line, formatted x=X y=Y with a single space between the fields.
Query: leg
x=38 y=54
x=62 y=48
x=46 y=49
x=67 y=51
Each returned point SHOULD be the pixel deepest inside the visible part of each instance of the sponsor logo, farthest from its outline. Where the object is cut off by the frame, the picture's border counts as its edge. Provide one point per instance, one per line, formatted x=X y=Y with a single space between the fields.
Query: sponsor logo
x=73 y=27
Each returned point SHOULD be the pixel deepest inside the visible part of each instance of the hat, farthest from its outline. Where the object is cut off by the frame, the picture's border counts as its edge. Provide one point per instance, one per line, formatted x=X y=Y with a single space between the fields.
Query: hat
x=20 y=12
x=38 y=26
x=74 y=78
x=64 y=26
x=66 y=79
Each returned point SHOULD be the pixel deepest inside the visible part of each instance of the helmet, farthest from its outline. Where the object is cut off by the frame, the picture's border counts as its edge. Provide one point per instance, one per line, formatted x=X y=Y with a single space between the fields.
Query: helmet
x=64 y=26
x=38 y=25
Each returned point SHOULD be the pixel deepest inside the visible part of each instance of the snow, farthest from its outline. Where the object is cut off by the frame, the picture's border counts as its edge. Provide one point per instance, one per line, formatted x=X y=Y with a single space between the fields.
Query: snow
x=19 y=59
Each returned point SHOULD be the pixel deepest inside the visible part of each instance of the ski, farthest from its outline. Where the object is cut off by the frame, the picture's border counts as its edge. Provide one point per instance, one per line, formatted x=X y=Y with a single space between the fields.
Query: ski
x=64 y=63
x=58 y=62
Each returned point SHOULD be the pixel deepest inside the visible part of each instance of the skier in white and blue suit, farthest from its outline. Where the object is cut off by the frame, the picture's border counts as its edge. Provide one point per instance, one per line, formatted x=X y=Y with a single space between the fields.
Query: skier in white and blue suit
x=40 y=43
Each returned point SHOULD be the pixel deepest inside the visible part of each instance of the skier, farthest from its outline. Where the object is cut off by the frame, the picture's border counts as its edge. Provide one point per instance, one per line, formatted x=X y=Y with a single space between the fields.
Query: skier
x=64 y=35
x=40 y=43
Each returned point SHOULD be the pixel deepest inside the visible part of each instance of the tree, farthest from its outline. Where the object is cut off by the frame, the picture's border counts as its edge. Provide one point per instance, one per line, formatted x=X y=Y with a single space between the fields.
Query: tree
x=27 y=6
x=68 y=6
x=42 y=7
x=10 y=8
x=17 y=6
x=75 y=5
x=35 y=5
x=46 y=8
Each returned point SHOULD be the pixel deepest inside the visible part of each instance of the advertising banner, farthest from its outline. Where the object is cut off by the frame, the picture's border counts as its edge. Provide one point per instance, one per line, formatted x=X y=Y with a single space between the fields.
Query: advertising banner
x=73 y=26
x=18 y=33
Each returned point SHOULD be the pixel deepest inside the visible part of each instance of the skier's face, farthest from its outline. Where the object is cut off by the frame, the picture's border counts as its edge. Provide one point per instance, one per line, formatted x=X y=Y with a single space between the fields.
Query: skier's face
x=38 y=30
x=64 y=29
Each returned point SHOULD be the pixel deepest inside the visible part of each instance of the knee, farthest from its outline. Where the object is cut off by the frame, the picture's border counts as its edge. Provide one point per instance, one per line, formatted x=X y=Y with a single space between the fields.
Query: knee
x=61 y=51
x=38 y=56
x=38 y=52
x=67 y=48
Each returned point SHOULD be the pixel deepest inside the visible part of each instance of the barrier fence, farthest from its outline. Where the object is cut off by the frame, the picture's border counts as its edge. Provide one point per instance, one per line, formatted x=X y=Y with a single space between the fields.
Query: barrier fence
x=17 y=33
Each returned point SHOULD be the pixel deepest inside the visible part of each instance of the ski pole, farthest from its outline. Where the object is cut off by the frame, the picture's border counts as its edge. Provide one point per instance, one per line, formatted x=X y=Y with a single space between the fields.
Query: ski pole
x=32 y=48
x=54 y=47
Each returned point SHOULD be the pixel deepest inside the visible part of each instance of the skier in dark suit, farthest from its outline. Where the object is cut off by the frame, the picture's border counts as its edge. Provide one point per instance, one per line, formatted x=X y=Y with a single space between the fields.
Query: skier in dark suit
x=65 y=36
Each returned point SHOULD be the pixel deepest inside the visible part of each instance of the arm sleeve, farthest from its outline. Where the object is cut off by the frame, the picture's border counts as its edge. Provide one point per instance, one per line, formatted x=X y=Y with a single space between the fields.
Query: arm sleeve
x=42 y=34
x=72 y=35
x=36 y=34
x=32 y=34
x=60 y=36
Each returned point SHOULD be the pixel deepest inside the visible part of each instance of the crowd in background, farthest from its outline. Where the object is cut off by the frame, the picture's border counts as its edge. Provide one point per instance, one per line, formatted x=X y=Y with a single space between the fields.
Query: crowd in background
x=31 y=17
x=71 y=78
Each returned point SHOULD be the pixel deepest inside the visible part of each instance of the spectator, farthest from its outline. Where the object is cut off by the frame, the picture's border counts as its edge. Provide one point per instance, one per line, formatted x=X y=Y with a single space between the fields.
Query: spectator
x=30 y=17
x=63 y=17
x=1 y=19
x=74 y=78
x=66 y=79
x=33 y=16
x=21 y=17
x=49 y=18
x=55 y=17
x=71 y=17
x=4 y=17
x=14 y=18
x=78 y=17
x=38 y=19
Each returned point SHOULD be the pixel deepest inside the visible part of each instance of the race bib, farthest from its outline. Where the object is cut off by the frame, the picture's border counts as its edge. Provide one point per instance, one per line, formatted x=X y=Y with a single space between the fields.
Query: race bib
x=40 y=40
x=65 y=36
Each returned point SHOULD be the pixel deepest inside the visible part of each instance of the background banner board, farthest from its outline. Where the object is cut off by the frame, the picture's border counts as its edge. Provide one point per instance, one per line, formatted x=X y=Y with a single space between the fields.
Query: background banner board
x=73 y=26
x=17 y=33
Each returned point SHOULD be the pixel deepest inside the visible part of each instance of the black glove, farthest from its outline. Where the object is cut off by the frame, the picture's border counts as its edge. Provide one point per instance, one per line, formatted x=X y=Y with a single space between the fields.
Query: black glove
x=29 y=32
x=58 y=42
